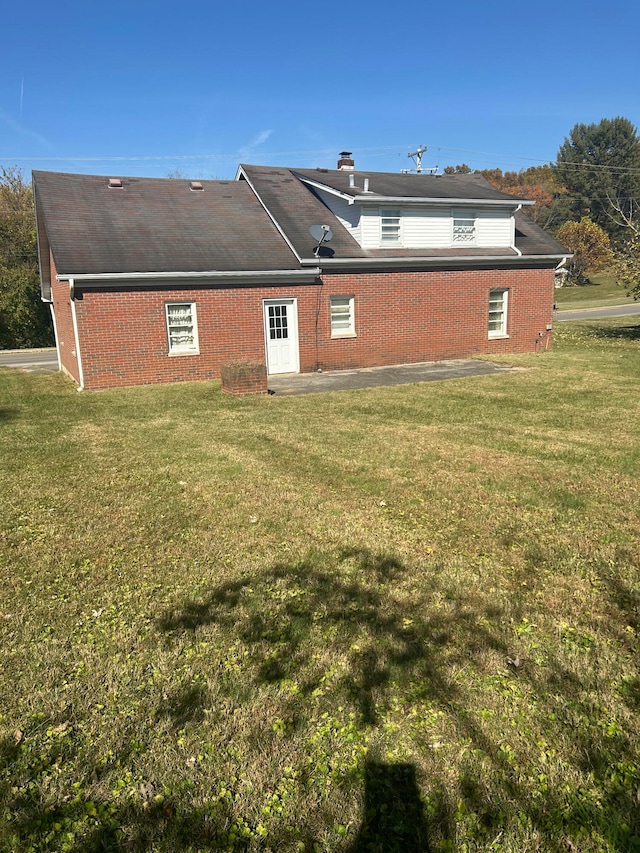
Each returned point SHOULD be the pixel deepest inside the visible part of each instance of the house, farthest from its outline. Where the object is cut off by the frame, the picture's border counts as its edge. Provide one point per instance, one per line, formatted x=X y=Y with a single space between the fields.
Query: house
x=163 y=280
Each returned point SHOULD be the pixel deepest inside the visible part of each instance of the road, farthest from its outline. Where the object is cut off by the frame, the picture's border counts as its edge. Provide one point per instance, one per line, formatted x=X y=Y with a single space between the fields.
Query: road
x=32 y=360
x=597 y=313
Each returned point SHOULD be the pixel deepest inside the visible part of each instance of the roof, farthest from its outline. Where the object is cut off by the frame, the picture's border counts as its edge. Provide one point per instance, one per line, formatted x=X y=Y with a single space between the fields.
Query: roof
x=409 y=186
x=258 y=225
x=155 y=225
x=296 y=207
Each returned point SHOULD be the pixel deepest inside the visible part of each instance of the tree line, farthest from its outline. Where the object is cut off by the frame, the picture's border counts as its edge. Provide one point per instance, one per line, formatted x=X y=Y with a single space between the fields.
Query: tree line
x=589 y=199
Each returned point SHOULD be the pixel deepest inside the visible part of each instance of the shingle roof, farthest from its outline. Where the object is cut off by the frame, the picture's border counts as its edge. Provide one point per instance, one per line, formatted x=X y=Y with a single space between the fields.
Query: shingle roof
x=409 y=186
x=296 y=207
x=156 y=225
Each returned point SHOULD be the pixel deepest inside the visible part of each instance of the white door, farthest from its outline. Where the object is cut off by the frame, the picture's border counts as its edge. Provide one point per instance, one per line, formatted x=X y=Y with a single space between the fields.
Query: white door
x=281 y=335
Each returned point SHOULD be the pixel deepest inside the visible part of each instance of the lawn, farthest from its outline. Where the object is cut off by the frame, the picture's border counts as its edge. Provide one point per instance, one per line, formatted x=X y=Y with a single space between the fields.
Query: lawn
x=400 y=619
x=603 y=289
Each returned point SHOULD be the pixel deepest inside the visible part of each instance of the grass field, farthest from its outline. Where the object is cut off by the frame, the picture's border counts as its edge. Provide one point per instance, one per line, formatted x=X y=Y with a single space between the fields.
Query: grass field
x=401 y=619
x=602 y=290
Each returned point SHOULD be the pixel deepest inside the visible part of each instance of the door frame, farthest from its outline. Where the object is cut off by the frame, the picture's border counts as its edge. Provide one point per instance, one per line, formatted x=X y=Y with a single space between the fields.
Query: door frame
x=292 y=327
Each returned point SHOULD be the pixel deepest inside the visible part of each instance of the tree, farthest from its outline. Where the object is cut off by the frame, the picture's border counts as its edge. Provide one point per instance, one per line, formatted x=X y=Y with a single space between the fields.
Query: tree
x=460 y=169
x=25 y=320
x=590 y=246
x=600 y=166
x=537 y=183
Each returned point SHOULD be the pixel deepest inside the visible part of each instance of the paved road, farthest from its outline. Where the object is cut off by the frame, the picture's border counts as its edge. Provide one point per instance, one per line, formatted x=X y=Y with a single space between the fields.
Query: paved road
x=598 y=313
x=32 y=360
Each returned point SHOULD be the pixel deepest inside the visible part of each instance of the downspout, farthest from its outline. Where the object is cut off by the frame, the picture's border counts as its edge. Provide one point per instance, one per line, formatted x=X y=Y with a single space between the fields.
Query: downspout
x=76 y=336
x=516 y=249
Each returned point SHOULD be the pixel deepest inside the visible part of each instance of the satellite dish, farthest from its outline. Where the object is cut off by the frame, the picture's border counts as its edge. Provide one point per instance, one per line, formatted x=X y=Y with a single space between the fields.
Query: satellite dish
x=321 y=233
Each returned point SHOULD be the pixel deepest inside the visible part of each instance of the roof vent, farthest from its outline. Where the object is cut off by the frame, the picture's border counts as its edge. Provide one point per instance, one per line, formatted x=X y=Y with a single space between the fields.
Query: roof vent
x=345 y=162
x=366 y=185
x=115 y=183
x=352 y=180
x=196 y=187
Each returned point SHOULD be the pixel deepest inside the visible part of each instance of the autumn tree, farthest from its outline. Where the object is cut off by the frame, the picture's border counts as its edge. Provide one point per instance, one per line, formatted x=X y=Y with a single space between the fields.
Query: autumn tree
x=538 y=183
x=25 y=320
x=460 y=169
x=590 y=246
x=600 y=166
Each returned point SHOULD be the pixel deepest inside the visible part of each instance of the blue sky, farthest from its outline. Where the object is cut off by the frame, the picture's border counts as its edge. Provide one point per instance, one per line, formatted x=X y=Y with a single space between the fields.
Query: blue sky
x=141 y=88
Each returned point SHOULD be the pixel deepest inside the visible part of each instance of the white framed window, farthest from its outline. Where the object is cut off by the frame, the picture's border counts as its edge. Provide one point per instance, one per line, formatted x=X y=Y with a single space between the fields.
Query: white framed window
x=498 y=304
x=464 y=226
x=390 y=226
x=342 y=317
x=182 y=327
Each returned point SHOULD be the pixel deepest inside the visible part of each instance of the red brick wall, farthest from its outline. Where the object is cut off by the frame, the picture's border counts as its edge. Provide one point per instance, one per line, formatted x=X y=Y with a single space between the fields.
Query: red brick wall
x=64 y=325
x=400 y=318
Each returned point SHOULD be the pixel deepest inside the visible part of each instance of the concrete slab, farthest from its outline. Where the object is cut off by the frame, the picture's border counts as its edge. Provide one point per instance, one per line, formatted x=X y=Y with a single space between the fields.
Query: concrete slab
x=372 y=377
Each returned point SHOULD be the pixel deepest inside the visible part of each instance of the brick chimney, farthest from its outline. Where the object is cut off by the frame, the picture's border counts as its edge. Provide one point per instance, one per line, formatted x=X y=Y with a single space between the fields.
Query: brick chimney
x=346 y=163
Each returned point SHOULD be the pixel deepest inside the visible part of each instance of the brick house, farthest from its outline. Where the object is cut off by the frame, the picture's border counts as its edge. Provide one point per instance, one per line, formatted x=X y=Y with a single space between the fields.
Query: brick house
x=163 y=280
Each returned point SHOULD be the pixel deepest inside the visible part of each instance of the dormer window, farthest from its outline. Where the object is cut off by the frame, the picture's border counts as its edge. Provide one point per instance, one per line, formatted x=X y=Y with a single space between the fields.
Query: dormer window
x=464 y=226
x=390 y=222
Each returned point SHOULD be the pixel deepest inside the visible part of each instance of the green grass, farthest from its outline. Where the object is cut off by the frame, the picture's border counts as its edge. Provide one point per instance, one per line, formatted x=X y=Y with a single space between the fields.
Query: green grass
x=602 y=290
x=396 y=619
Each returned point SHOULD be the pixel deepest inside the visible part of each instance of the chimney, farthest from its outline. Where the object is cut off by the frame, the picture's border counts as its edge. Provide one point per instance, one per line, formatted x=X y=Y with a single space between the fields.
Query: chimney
x=345 y=163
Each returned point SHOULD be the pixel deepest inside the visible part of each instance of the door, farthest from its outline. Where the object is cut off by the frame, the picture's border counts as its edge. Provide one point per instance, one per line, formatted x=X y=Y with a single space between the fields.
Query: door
x=281 y=335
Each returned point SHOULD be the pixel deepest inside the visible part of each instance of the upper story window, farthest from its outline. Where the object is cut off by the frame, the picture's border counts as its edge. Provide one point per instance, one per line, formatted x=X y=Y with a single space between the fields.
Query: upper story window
x=464 y=226
x=390 y=226
x=182 y=327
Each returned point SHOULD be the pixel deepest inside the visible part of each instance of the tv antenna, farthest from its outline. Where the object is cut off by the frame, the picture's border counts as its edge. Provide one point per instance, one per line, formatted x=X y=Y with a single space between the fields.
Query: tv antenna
x=416 y=156
x=321 y=234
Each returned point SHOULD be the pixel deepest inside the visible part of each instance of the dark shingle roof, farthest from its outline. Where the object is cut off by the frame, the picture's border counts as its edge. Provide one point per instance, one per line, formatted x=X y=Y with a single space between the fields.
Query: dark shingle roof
x=156 y=225
x=397 y=185
x=296 y=207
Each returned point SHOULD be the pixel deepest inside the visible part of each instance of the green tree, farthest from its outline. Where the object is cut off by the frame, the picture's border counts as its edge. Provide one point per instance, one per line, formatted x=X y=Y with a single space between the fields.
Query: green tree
x=600 y=166
x=25 y=320
x=590 y=245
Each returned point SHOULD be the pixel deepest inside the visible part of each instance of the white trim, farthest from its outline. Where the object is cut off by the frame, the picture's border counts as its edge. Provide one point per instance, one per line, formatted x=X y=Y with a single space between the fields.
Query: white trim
x=193 y=312
x=433 y=260
x=292 y=302
x=349 y=332
x=215 y=275
x=368 y=199
x=350 y=199
x=76 y=336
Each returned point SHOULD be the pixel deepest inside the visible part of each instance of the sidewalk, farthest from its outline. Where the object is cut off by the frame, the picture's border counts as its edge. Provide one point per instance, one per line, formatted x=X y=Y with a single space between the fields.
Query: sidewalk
x=373 y=377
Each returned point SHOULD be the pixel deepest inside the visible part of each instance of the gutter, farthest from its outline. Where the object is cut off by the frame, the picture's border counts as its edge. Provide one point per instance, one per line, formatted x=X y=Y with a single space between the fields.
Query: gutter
x=369 y=198
x=420 y=260
x=513 y=220
x=208 y=276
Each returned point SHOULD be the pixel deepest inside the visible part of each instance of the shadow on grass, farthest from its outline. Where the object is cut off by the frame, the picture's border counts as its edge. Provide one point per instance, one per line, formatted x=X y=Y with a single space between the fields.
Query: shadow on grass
x=390 y=646
x=8 y=414
x=393 y=820
x=620 y=333
x=394 y=645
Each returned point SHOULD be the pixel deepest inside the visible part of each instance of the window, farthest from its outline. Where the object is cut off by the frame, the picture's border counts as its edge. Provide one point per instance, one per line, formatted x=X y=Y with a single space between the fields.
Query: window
x=464 y=226
x=182 y=329
x=498 y=313
x=390 y=226
x=342 y=317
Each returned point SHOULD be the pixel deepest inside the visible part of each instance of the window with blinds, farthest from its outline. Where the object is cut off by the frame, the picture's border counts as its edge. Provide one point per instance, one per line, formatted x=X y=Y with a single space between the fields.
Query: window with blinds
x=182 y=329
x=342 y=317
x=498 y=300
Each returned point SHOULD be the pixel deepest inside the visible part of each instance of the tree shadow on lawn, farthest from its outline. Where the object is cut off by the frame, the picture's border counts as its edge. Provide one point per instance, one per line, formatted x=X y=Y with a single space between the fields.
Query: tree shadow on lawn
x=619 y=333
x=401 y=644
x=287 y=615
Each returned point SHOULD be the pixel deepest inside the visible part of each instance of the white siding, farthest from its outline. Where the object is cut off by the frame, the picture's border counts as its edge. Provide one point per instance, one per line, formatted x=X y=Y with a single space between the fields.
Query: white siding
x=348 y=214
x=493 y=228
x=422 y=227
